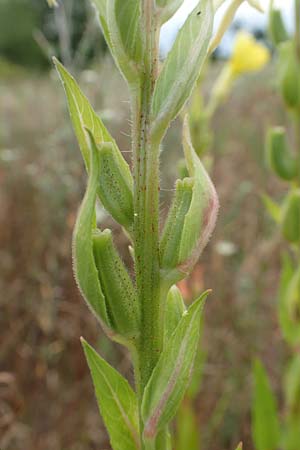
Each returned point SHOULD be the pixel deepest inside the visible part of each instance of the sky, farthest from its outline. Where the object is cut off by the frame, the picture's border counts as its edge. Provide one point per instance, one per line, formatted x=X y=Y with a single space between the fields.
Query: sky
x=250 y=17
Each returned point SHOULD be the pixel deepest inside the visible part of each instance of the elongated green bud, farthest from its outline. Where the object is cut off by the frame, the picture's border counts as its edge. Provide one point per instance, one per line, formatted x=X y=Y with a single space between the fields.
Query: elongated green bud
x=277 y=30
x=291 y=217
x=117 y=286
x=116 y=185
x=191 y=219
x=169 y=247
x=289 y=79
x=175 y=308
x=278 y=156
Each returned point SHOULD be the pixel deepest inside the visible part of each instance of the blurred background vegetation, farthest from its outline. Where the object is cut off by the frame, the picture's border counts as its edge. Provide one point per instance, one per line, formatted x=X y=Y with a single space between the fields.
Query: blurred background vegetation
x=46 y=396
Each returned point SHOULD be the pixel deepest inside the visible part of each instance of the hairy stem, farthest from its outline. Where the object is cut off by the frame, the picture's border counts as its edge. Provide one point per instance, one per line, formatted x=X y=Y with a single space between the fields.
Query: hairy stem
x=146 y=209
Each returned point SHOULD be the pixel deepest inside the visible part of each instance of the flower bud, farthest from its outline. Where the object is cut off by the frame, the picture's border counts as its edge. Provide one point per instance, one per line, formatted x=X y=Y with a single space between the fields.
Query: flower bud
x=116 y=185
x=191 y=219
x=117 y=287
x=291 y=217
x=278 y=156
x=175 y=308
x=169 y=247
x=289 y=79
x=277 y=29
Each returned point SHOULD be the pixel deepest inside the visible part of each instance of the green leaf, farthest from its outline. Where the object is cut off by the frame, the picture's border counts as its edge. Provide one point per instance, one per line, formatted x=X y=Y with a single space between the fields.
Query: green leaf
x=292 y=386
x=117 y=402
x=290 y=328
x=291 y=437
x=84 y=267
x=101 y=8
x=191 y=219
x=272 y=207
x=175 y=308
x=124 y=24
x=182 y=67
x=170 y=377
x=83 y=116
x=167 y=8
x=201 y=217
x=265 y=421
x=187 y=428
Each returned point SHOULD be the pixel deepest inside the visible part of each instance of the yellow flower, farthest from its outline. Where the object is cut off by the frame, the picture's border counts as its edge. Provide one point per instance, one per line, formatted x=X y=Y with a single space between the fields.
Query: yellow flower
x=248 y=54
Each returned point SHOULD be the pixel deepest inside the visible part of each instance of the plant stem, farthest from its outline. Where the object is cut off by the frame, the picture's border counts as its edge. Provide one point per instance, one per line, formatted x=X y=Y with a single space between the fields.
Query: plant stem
x=146 y=208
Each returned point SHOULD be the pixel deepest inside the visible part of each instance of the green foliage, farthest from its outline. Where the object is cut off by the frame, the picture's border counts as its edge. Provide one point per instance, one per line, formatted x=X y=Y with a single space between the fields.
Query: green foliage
x=272 y=207
x=181 y=68
x=289 y=326
x=123 y=21
x=117 y=402
x=194 y=208
x=85 y=269
x=187 y=432
x=203 y=210
x=167 y=8
x=265 y=425
x=170 y=377
x=115 y=188
x=277 y=30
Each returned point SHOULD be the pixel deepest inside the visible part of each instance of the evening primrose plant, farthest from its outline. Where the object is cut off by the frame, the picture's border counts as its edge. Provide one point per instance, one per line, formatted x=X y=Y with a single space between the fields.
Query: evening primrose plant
x=269 y=431
x=145 y=313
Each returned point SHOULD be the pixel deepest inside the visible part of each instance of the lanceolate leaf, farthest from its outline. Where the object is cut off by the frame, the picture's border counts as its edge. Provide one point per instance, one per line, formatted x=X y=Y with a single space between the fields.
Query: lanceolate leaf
x=272 y=207
x=168 y=8
x=201 y=218
x=117 y=402
x=82 y=114
x=101 y=8
x=85 y=270
x=182 y=66
x=265 y=422
x=290 y=326
x=170 y=377
x=123 y=19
